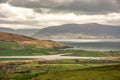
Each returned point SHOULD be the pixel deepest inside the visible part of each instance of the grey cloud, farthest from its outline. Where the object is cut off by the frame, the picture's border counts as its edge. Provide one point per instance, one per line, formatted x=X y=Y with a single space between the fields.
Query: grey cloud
x=76 y=6
x=38 y=10
x=34 y=3
x=3 y=1
x=26 y=3
x=118 y=1
x=97 y=7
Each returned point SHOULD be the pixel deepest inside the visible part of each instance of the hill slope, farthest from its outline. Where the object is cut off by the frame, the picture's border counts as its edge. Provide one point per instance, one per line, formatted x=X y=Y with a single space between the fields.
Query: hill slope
x=24 y=40
x=77 y=31
x=99 y=73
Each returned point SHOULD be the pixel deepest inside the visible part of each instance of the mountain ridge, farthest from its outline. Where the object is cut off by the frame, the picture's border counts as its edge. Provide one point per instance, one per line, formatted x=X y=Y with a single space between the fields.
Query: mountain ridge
x=78 y=31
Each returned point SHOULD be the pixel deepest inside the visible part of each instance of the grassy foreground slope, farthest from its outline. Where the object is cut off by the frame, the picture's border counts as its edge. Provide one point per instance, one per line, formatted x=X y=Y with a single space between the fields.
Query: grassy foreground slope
x=99 y=73
x=28 y=70
x=40 y=70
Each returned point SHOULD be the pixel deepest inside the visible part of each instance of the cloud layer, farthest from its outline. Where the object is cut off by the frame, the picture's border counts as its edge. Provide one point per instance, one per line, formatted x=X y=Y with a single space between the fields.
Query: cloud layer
x=78 y=6
x=44 y=13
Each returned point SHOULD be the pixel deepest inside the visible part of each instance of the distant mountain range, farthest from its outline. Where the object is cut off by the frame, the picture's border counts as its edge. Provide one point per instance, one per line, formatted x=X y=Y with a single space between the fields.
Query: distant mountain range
x=78 y=31
x=70 y=31
x=27 y=32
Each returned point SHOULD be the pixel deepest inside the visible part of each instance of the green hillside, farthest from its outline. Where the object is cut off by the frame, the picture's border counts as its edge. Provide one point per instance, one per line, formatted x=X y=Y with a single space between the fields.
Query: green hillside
x=15 y=49
x=100 y=73
x=38 y=70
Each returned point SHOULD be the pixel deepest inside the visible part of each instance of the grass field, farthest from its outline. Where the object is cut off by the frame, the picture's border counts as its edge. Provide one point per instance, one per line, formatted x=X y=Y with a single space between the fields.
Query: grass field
x=82 y=75
x=37 y=71
x=29 y=70
x=99 y=73
x=92 y=53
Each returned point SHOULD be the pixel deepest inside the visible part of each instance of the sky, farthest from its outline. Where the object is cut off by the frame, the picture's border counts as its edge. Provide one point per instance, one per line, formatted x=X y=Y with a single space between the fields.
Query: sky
x=24 y=14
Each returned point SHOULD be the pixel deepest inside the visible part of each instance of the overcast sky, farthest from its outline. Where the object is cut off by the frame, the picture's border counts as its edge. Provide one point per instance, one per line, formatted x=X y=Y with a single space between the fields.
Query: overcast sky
x=19 y=14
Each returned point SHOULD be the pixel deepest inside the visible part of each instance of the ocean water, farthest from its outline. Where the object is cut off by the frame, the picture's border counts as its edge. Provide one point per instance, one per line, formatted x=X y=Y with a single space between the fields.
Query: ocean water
x=93 y=44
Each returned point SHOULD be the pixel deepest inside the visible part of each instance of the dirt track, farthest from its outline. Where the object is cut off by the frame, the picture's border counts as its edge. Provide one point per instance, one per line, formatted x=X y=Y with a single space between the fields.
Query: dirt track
x=60 y=56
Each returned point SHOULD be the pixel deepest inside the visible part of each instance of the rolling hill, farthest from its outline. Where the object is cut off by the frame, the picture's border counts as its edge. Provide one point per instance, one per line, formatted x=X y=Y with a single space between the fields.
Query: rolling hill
x=25 y=40
x=78 y=31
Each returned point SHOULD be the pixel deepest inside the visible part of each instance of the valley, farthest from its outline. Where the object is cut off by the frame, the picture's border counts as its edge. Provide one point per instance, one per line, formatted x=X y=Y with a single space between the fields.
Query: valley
x=26 y=58
x=59 y=39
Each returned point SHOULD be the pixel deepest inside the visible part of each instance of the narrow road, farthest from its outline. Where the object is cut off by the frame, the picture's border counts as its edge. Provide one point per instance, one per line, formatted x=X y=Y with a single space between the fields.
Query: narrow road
x=60 y=56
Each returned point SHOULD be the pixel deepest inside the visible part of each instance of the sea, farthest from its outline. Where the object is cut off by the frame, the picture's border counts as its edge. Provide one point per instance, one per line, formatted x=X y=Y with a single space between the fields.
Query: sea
x=92 y=44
